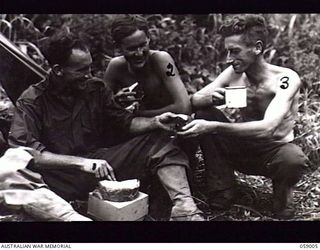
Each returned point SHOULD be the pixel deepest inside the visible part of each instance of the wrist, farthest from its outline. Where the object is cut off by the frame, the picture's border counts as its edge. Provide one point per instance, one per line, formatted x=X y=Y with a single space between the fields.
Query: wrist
x=155 y=122
x=212 y=127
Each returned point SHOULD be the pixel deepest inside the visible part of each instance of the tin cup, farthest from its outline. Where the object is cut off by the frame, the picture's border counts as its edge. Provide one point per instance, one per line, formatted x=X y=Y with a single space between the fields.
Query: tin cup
x=236 y=97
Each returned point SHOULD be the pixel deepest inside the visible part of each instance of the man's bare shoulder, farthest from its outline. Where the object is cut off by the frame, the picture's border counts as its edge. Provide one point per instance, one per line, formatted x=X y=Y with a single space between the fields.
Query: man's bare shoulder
x=160 y=56
x=118 y=62
x=281 y=72
x=115 y=70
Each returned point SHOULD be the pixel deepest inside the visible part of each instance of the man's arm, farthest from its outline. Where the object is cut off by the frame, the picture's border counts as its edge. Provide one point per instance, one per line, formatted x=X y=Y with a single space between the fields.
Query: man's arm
x=25 y=131
x=110 y=75
x=144 y=124
x=213 y=93
x=166 y=69
x=287 y=88
x=26 y=126
x=48 y=160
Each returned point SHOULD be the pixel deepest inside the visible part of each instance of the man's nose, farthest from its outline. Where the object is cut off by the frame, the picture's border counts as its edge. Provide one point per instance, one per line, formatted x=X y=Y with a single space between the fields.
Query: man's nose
x=229 y=59
x=139 y=52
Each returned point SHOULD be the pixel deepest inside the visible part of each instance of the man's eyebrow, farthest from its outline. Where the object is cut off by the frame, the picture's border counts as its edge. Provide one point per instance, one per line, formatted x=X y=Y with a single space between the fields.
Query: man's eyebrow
x=137 y=45
x=232 y=48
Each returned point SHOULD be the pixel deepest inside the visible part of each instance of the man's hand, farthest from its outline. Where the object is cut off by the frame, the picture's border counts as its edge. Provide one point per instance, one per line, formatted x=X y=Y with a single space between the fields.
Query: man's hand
x=167 y=121
x=133 y=107
x=100 y=168
x=218 y=96
x=125 y=95
x=196 y=128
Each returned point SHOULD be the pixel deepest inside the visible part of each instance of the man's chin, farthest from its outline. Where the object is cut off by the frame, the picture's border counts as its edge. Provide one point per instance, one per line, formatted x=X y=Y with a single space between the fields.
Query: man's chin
x=137 y=65
x=238 y=70
x=79 y=85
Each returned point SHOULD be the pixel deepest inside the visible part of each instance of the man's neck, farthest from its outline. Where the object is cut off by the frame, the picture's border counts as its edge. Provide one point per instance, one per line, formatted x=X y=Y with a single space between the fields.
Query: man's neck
x=257 y=72
x=58 y=87
x=134 y=71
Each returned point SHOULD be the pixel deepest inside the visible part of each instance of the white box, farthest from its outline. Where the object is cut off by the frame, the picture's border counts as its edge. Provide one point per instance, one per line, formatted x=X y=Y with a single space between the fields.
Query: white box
x=105 y=210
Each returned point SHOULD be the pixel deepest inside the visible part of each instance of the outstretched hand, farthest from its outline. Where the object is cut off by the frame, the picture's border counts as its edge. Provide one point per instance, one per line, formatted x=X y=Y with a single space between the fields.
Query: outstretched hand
x=196 y=128
x=163 y=121
x=172 y=122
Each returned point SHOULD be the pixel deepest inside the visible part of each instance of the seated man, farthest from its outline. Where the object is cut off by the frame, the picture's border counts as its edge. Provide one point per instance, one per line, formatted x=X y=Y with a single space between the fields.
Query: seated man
x=158 y=88
x=64 y=117
x=261 y=143
x=154 y=71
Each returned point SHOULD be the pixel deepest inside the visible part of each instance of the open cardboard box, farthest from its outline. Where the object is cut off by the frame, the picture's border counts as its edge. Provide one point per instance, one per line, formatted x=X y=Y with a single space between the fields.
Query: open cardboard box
x=105 y=210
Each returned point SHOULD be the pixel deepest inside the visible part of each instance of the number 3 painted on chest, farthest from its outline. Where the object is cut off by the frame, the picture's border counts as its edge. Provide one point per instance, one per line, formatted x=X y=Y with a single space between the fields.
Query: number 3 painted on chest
x=284 y=80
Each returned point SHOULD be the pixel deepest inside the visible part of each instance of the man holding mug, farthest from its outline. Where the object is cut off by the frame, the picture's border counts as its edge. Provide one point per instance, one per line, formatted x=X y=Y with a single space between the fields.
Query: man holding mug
x=261 y=142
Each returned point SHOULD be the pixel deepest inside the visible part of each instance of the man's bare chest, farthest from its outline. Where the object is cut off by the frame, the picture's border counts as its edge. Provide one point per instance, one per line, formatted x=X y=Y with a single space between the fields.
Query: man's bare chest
x=259 y=96
x=149 y=82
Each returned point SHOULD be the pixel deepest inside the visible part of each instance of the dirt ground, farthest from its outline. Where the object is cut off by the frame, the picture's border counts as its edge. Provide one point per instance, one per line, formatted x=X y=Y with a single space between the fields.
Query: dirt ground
x=254 y=199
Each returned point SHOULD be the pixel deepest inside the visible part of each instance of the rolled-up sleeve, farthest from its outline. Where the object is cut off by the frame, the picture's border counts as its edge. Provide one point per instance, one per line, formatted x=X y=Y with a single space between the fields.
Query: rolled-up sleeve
x=26 y=126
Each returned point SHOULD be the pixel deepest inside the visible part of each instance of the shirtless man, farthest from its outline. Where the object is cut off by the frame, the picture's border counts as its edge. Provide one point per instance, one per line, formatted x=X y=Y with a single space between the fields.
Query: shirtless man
x=261 y=143
x=153 y=70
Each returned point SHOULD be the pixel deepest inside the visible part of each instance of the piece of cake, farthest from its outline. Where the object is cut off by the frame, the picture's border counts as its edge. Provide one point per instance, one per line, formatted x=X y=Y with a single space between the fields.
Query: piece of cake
x=119 y=190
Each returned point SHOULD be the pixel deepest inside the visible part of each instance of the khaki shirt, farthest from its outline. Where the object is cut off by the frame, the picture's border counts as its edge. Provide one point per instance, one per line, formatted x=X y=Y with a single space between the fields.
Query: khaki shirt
x=46 y=120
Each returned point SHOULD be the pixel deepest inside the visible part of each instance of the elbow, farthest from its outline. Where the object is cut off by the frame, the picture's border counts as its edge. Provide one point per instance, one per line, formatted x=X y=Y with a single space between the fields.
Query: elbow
x=196 y=102
x=270 y=132
x=267 y=134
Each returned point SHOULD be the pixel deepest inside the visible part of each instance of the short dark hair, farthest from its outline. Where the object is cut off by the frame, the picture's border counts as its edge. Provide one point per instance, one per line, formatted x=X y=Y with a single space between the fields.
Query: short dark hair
x=58 y=47
x=125 y=25
x=253 y=27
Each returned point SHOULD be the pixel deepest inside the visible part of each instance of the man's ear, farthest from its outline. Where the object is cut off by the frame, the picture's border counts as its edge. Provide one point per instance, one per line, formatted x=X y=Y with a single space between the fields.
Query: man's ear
x=258 y=47
x=57 y=70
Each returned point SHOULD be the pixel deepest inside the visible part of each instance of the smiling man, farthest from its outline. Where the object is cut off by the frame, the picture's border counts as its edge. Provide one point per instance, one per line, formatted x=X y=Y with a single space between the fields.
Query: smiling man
x=153 y=70
x=261 y=142
x=63 y=120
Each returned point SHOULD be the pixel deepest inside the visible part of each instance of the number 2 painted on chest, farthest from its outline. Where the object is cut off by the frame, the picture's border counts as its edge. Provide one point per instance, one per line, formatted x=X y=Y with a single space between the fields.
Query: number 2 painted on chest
x=284 y=80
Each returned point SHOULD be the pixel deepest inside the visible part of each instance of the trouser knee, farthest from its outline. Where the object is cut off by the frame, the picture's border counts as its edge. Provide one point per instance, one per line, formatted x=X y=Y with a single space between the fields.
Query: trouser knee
x=165 y=151
x=294 y=174
x=291 y=164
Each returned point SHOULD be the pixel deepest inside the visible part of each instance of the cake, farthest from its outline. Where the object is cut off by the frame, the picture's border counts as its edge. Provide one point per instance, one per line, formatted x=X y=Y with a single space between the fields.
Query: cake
x=119 y=190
